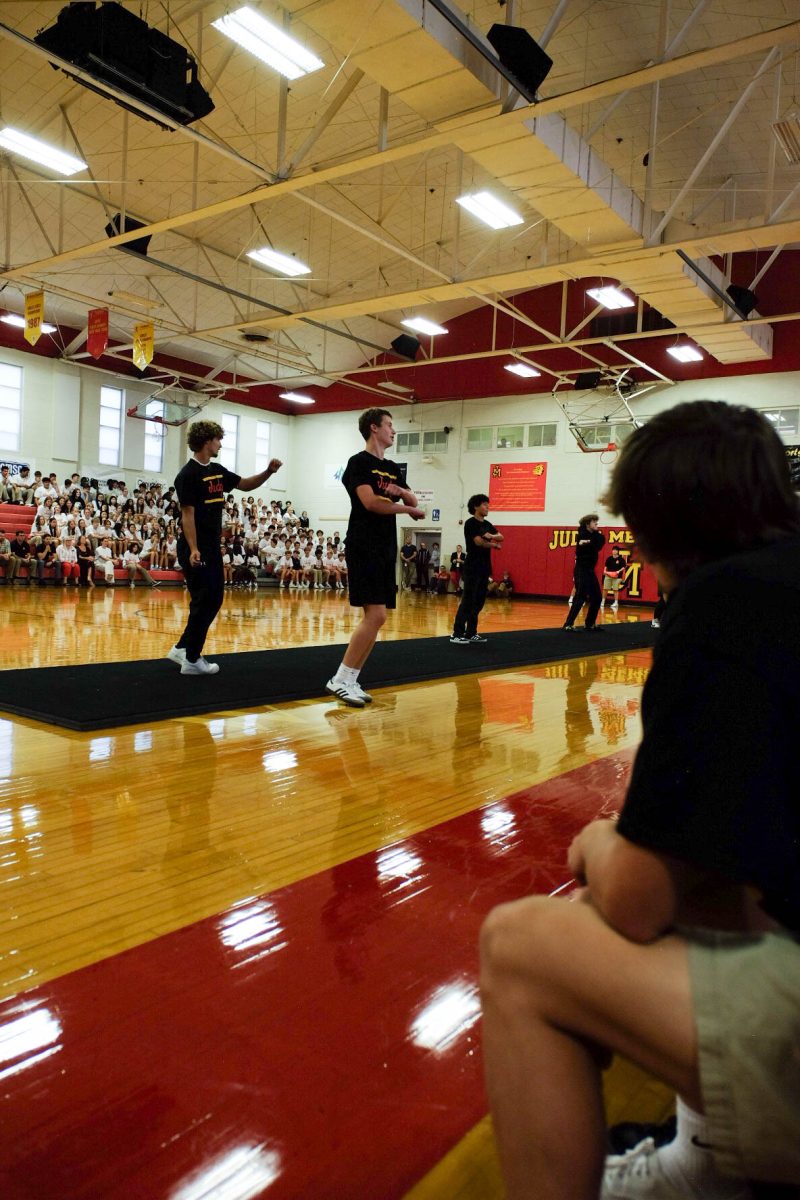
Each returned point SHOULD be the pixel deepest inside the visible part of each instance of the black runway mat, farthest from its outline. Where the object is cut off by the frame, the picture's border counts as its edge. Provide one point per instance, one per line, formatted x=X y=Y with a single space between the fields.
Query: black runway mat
x=107 y=695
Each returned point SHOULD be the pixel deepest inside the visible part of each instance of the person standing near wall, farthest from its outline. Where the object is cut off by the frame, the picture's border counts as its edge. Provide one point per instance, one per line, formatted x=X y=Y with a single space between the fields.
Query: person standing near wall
x=374 y=485
x=481 y=538
x=201 y=486
x=587 y=589
x=408 y=553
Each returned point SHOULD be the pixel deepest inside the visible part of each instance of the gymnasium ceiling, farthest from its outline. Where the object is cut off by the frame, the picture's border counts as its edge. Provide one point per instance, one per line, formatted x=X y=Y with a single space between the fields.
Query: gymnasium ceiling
x=650 y=145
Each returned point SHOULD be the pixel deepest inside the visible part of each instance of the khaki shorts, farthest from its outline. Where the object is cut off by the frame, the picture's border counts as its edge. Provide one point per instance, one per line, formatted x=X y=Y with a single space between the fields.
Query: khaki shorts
x=612 y=585
x=746 y=995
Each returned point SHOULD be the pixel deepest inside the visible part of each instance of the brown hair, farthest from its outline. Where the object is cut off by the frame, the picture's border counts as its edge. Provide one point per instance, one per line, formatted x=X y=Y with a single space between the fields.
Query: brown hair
x=372 y=416
x=203 y=431
x=589 y=517
x=703 y=481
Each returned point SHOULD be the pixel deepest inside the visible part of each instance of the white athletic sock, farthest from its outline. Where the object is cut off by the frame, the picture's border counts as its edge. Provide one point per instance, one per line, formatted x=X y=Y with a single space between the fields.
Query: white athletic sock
x=346 y=674
x=688 y=1163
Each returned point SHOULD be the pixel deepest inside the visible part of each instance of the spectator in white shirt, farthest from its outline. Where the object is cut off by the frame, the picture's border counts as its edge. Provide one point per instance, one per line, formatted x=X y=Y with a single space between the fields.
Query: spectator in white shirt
x=67 y=555
x=104 y=562
x=23 y=486
x=285 y=571
x=132 y=562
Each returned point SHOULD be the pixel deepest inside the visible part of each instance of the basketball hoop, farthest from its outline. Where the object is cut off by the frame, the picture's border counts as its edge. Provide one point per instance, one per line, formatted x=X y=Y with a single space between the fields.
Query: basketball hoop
x=609 y=455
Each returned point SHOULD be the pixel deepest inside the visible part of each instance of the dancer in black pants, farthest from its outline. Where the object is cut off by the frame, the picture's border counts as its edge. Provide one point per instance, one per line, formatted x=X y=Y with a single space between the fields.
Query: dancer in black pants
x=202 y=486
x=480 y=537
x=587 y=588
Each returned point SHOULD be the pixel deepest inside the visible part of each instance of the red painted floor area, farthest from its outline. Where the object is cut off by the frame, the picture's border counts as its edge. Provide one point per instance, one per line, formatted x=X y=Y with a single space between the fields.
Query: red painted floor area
x=320 y=1041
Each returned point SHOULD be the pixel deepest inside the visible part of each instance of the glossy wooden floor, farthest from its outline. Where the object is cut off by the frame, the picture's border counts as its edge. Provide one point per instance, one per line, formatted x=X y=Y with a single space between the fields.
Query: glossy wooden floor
x=111 y=841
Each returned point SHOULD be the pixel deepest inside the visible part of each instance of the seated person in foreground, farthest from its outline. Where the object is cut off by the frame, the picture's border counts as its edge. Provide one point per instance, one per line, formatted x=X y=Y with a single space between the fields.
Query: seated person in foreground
x=684 y=954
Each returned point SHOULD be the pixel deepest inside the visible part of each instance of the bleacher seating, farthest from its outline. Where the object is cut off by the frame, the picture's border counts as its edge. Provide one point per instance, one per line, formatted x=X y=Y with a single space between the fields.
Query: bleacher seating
x=20 y=516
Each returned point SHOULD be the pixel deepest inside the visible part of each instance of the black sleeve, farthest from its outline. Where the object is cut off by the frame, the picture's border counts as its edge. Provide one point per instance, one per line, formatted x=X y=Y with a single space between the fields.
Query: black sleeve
x=472 y=529
x=230 y=480
x=488 y=527
x=187 y=489
x=708 y=764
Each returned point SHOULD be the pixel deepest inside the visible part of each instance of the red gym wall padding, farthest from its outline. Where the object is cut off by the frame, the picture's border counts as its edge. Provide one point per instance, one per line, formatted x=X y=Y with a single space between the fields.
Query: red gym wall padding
x=541 y=558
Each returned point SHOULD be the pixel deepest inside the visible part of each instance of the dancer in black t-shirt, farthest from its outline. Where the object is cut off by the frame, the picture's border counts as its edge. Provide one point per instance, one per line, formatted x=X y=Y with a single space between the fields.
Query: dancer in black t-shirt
x=374 y=485
x=481 y=538
x=201 y=486
x=587 y=589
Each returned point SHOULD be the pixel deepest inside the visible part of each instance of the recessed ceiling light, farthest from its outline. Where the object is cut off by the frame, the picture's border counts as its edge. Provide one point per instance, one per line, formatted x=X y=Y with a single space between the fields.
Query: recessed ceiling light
x=268 y=42
x=31 y=148
x=685 y=353
x=522 y=369
x=490 y=210
x=610 y=297
x=420 y=325
x=283 y=263
x=396 y=387
x=296 y=398
x=16 y=319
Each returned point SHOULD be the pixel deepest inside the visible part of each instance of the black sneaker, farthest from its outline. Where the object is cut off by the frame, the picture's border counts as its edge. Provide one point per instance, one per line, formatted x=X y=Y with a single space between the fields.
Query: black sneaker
x=476 y=637
x=568 y=628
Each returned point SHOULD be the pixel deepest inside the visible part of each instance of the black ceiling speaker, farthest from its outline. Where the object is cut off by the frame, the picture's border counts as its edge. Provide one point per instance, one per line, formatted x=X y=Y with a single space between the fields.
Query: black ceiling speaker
x=743 y=298
x=138 y=245
x=117 y=47
x=520 y=55
x=406 y=346
x=587 y=381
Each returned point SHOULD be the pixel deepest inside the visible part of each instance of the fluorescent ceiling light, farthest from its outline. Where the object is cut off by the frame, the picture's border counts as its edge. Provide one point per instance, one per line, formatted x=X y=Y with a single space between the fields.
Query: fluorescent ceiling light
x=39 y=152
x=685 y=353
x=420 y=325
x=282 y=263
x=490 y=210
x=610 y=297
x=16 y=319
x=522 y=369
x=296 y=397
x=268 y=42
x=396 y=387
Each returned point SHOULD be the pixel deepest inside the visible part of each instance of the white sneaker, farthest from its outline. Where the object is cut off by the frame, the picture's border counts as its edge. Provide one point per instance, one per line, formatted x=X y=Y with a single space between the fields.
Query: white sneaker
x=365 y=696
x=177 y=655
x=655 y=624
x=457 y=641
x=639 y=1175
x=350 y=693
x=614 y=606
x=201 y=667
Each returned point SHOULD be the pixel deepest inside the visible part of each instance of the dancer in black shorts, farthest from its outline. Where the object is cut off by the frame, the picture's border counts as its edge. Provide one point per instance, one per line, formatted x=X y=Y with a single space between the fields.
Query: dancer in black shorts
x=374 y=485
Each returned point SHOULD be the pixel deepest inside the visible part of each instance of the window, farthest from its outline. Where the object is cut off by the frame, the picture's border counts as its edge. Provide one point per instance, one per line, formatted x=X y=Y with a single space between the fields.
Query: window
x=603 y=433
x=542 y=435
x=10 y=406
x=434 y=440
x=228 y=453
x=480 y=439
x=785 y=420
x=154 y=434
x=407 y=443
x=110 y=426
x=510 y=437
x=263 y=430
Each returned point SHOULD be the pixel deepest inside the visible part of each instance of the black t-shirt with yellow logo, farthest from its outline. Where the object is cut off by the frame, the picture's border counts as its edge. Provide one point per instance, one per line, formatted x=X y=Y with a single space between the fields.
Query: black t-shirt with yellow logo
x=203 y=488
x=367 y=532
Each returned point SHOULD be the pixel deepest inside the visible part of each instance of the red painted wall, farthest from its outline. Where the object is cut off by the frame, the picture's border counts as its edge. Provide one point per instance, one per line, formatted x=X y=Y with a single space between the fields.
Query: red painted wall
x=541 y=558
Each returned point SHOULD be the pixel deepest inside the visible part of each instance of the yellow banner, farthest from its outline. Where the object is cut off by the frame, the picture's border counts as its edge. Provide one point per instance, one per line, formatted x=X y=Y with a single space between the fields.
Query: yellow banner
x=34 y=315
x=143 y=338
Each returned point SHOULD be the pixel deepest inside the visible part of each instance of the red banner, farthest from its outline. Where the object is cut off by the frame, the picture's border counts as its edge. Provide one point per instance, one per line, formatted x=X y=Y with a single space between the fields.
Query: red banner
x=517 y=487
x=541 y=559
x=97 y=332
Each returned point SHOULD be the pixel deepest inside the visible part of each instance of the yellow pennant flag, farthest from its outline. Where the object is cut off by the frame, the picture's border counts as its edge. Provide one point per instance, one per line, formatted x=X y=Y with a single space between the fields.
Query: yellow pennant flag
x=143 y=339
x=34 y=315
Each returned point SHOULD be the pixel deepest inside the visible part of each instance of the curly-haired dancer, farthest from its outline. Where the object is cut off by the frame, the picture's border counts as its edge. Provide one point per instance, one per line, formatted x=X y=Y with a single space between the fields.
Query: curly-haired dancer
x=201 y=486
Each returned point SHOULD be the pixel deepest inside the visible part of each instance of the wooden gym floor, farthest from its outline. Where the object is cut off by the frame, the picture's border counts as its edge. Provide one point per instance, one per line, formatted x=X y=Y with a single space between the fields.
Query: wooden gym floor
x=239 y=951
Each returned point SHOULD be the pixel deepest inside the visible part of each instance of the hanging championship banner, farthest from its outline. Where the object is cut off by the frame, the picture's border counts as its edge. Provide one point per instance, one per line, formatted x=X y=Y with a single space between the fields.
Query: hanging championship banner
x=143 y=336
x=34 y=315
x=97 y=332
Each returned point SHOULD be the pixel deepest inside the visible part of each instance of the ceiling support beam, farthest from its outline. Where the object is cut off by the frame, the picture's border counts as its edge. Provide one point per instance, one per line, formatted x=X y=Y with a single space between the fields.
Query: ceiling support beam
x=668 y=54
x=712 y=146
x=709 y=200
x=754 y=282
x=673 y=69
x=341 y=97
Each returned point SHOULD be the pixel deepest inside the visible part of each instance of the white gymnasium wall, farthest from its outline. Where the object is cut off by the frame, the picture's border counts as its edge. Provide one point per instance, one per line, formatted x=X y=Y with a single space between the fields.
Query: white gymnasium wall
x=61 y=409
x=60 y=424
